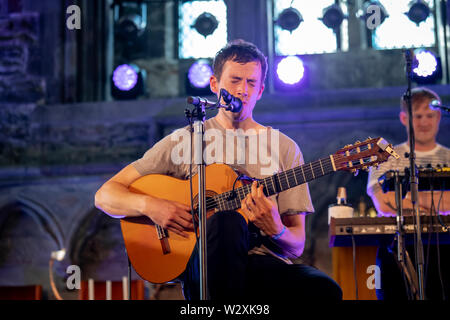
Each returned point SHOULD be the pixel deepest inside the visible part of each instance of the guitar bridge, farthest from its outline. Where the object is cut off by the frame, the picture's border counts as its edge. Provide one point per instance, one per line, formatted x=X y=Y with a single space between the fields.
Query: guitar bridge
x=165 y=246
x=163 y=237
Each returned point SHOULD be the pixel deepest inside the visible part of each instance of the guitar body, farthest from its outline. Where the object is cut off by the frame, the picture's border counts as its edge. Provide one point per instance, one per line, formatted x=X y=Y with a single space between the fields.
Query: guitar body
x=144 y=248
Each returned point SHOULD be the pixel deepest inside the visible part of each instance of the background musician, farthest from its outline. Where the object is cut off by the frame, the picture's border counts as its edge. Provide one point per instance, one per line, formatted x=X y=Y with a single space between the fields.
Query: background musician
x=429 y=153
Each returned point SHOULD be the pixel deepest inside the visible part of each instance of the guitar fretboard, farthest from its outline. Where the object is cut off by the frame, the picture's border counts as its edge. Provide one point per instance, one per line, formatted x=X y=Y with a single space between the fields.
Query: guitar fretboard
x=231 y=200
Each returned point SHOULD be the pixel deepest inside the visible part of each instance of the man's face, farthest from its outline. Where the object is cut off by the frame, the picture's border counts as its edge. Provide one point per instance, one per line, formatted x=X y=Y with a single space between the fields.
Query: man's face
x=425 y=121
x=242 y=81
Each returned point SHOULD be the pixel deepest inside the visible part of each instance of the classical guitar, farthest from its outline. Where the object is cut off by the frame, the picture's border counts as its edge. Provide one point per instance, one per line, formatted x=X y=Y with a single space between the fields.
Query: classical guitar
x=158 y=255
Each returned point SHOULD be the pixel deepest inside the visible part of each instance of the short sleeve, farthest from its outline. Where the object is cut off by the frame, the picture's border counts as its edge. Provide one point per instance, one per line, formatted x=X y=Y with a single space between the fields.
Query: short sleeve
x=297 y=199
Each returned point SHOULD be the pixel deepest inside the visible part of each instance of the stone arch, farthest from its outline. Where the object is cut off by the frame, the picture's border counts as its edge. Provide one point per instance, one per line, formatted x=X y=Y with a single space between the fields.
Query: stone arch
x=28 y=234
x=97 y=247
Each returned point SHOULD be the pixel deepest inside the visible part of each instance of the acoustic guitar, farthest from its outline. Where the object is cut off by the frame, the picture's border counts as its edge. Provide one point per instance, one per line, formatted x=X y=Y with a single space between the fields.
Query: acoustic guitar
x=159 y=256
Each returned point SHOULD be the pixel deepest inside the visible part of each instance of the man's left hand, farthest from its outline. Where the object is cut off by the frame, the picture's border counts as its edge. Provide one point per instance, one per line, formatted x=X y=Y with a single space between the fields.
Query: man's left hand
x=262 y=211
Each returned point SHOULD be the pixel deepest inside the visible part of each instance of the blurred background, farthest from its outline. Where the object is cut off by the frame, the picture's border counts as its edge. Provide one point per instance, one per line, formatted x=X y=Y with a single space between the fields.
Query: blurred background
x=88 y=86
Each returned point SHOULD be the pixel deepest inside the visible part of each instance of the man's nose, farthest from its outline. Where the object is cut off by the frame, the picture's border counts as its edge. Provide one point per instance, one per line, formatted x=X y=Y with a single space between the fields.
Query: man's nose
x=243 y=89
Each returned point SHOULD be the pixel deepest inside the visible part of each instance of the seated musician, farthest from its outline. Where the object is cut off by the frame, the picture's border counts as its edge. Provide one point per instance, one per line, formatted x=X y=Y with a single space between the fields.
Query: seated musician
x=243 y=260
x=429 y=153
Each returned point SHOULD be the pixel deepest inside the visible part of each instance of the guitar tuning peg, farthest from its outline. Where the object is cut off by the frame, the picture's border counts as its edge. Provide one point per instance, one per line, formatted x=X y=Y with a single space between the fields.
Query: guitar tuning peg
x=357 y=142
x=368 y=139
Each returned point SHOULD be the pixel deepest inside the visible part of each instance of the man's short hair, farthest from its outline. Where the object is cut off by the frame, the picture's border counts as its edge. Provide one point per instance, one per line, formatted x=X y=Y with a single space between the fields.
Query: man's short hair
x=417 y=95
x=242 y=52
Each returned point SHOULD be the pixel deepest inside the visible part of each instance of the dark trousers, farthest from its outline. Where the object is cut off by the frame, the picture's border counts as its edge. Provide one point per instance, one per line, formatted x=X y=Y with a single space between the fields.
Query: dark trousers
x=233 y=274
x=436 y=272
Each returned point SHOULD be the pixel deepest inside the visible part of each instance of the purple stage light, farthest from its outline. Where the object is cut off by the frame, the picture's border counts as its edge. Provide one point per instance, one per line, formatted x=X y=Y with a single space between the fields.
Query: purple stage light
x=290 y=70
x=125 y=77
x=427 y=63
x=199 y=74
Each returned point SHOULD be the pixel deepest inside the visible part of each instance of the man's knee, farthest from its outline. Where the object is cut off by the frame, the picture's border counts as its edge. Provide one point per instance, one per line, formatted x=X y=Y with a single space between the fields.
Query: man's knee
x=227 y=225
x=226 y=218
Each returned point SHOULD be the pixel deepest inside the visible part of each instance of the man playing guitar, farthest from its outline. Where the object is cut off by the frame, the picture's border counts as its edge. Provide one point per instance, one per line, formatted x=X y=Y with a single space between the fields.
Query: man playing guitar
x=245 y=260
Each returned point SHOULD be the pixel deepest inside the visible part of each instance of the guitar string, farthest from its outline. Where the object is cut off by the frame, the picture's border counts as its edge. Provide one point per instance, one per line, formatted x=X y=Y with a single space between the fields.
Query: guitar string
x=283 y=179
x=288 y=177
x=222 y=200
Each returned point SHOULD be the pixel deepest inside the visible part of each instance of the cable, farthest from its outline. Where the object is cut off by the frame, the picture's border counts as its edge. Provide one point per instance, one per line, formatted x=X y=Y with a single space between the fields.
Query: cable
x=129 y=277
x=190 y=181
x=434 y=213
x=439 y=266
x=52 y=282
x=446 y=228
x=354 y=266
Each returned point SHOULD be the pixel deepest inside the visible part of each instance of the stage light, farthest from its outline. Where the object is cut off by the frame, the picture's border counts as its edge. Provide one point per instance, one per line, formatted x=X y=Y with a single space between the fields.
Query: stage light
x=418 y=11
x=332 y=16
x=370 y=11
x=427 y=64
x=290 y=70
x=289 y=19
x=199 y=74
x=127 y=82
x=205 y=24
x=130 y=19
x=197 y=78
x=427 y=68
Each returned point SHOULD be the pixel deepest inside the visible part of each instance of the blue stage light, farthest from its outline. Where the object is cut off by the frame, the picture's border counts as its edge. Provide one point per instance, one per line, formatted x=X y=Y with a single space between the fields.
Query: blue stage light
x=127 y=81
x=427 y=68
x=199 y=74
x=290 y=70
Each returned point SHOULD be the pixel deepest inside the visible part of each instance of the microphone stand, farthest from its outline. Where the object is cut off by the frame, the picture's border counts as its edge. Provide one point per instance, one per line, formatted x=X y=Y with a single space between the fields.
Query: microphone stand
x=414 y=182
x=199 y=114
x=400 y=230
x=403 y=261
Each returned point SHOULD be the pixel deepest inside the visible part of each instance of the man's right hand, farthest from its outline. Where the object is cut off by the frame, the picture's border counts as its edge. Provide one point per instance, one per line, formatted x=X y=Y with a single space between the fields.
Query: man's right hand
x=115 y=199
x=171 y=215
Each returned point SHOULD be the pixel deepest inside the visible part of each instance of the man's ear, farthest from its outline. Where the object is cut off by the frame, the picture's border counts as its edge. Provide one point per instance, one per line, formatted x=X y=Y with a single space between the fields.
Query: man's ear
x=214 y=84
x=261 y=90
x=403 y=118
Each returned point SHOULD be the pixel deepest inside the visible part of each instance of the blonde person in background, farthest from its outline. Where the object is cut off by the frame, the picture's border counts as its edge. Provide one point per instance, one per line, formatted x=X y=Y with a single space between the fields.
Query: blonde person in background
x=428 y=153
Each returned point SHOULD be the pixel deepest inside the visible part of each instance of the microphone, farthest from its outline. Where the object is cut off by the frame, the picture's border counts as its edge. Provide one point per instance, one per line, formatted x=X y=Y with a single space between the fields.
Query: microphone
x=232 y=103
x=197 y=101
x=435 y=104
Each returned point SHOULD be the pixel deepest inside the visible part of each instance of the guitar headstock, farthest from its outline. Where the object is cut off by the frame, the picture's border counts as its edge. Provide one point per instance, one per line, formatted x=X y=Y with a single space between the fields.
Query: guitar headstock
x=362 y=155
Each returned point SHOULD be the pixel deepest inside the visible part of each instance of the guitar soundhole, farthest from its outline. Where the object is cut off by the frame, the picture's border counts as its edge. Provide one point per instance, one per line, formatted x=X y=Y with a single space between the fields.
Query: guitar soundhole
x=210 y=204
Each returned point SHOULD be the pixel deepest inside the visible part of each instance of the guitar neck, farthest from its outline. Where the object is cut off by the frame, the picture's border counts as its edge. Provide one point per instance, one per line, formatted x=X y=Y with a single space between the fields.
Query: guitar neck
x=282 y=181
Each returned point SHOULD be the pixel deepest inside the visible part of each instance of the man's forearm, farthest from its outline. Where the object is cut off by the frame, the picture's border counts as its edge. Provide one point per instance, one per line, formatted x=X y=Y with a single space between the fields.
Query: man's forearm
x=385 y=202
x=440 y=201
x=116 y=200
x=292 y=242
